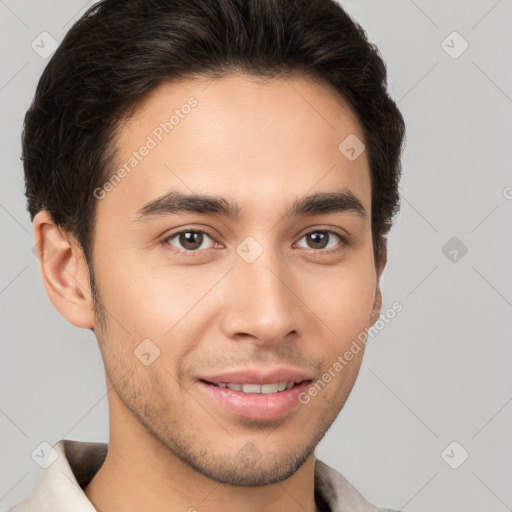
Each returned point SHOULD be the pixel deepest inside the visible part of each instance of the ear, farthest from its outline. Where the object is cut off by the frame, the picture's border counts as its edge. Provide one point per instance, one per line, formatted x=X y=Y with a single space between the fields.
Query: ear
x=64 y=271
x=380 y=263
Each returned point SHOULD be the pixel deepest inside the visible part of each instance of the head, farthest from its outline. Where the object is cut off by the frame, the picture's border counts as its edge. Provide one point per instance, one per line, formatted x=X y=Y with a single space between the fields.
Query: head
x=255 y=105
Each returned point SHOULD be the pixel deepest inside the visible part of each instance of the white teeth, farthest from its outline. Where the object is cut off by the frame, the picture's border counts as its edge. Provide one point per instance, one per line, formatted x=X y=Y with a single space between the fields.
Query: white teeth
x=257 y=388
x=269 y=388
x=251 y=388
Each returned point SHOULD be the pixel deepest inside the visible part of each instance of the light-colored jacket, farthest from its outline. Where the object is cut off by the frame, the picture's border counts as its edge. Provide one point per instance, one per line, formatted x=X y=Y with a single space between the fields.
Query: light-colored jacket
x=59 y=487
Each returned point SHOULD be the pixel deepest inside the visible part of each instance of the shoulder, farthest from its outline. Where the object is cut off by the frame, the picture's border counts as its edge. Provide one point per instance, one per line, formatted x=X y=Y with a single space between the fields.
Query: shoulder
x=338 y=493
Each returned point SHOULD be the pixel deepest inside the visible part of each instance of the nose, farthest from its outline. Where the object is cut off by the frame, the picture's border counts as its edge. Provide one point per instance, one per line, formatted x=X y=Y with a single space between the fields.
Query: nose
x=263 y=302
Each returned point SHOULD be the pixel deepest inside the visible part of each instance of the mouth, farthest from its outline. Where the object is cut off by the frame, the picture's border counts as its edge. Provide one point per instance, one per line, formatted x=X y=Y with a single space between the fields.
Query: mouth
x=267 y=401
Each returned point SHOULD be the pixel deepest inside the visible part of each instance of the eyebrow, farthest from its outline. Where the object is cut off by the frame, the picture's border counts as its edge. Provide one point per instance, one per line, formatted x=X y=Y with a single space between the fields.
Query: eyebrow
x=175 y=202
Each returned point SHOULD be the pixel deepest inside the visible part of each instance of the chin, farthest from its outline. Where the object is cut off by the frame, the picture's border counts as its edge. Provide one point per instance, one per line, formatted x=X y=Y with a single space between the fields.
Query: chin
x=247 y=467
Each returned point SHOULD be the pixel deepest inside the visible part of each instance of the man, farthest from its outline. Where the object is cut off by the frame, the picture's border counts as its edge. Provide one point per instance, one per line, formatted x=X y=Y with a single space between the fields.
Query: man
x=210 y=184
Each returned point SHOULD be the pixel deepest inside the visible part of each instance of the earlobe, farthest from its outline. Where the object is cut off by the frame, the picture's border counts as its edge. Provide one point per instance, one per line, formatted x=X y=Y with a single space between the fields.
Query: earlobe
x=64 y=271
x=377 y=304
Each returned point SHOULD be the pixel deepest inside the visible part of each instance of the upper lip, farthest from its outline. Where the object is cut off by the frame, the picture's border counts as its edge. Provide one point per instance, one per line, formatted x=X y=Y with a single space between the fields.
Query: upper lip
x=253 y=376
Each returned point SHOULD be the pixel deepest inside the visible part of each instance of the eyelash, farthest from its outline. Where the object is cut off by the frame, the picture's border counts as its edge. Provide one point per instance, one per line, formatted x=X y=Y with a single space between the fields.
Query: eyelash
x=343 y=243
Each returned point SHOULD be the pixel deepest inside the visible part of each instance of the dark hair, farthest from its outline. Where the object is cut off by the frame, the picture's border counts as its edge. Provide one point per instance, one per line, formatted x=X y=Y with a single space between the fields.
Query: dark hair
x=119 y=51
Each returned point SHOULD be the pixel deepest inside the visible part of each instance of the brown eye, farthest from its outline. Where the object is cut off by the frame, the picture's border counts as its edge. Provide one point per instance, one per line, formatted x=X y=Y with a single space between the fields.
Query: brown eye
x=318 y=239
x=323 y=239
x=189 y=240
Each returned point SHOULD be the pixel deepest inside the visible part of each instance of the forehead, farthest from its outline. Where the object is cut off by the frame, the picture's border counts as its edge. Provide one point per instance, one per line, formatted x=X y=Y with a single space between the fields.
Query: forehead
x=257 y=142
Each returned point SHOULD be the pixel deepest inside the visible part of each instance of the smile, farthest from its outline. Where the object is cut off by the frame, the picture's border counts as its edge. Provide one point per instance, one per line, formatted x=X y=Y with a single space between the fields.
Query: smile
x=275 y=387
x=267 y=401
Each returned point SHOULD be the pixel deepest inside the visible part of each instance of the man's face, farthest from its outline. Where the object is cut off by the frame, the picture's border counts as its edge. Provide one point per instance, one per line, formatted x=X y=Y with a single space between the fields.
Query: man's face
x=265 y=296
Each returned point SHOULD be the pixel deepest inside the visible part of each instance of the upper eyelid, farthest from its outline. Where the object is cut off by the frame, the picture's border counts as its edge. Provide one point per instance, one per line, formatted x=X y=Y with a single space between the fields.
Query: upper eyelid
x=186 y=230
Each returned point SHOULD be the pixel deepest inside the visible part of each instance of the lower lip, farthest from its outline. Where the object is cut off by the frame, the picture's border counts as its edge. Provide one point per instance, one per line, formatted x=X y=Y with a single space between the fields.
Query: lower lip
x=257 y=406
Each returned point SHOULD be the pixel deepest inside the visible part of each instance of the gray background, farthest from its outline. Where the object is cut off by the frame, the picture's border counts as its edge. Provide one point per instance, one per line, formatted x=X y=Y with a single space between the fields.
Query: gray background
x=439 y=372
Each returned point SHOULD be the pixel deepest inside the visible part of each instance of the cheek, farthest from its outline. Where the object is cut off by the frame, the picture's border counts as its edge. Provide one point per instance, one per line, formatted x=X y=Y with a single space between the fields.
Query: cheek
x=169 y=305
x=137 y=295
x=343 y=298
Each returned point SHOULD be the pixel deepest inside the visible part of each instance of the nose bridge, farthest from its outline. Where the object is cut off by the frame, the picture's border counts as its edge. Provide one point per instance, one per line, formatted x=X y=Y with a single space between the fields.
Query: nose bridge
x=262 y=304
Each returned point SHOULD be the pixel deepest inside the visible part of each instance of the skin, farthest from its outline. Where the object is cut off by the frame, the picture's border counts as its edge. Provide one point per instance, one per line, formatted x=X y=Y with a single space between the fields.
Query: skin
x=263 y=144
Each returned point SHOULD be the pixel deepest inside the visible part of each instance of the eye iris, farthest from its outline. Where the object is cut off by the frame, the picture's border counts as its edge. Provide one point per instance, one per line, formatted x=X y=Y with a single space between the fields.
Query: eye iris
x=319 y=239
x=191 y=237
